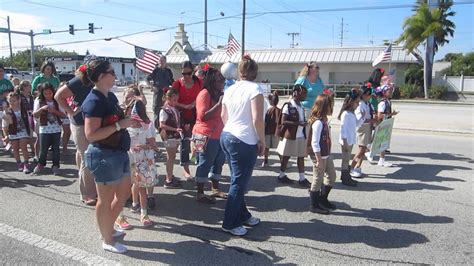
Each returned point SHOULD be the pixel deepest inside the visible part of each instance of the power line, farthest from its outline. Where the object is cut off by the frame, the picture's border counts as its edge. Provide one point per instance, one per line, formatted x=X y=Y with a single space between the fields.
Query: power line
x=360 y=8
x=253 y=15
x=91 y=13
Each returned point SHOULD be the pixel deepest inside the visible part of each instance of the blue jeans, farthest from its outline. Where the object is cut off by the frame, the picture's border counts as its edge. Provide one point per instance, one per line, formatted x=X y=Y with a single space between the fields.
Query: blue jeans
x=210 y=162
x=108 y=167
x=49 y=140
x=184 y=151
x=241 y=158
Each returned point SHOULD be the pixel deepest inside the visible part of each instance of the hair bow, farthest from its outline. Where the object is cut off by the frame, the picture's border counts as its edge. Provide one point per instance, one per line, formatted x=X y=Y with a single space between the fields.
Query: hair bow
x=353 y=93
x=83 y=68
x=247 y=57
x=328 y=92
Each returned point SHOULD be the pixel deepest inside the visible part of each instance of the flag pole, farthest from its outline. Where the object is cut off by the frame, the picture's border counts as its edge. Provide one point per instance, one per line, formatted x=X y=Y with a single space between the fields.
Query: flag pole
x=390 y=60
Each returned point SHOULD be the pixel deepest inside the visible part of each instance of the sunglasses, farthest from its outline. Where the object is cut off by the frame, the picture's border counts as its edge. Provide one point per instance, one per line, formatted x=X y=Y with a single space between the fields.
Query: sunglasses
x=186 y=73
x=111 y=72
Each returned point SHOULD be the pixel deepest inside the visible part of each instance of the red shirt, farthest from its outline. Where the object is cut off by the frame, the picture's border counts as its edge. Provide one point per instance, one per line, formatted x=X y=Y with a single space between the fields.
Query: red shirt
x=214 y=125
x=187 y=96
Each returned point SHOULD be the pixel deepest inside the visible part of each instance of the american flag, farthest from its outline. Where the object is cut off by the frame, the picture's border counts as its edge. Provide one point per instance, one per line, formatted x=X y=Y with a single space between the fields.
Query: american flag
x=232 y=46
x=386 y=55
x=146 y=59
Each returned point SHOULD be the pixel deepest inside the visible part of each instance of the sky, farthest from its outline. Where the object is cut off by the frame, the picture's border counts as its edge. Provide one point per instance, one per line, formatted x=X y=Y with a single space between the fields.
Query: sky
x=321 y=29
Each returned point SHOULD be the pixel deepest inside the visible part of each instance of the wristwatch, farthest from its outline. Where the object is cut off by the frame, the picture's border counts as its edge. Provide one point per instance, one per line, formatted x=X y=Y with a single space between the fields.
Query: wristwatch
x=117 y=126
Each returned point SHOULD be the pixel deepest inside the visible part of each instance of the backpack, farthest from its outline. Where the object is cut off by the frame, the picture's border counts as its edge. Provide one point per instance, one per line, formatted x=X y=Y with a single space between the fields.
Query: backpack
x=280 y=128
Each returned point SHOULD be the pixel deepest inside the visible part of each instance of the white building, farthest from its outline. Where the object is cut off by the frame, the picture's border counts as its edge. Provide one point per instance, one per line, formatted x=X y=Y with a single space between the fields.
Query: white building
x=337 y=65
x=124 y=67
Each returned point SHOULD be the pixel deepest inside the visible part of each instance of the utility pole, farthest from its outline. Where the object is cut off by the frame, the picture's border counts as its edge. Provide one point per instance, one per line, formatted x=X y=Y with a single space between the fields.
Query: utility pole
x=293 y=34
x=243 y=28
x=205 y=24
x=9 y=37
x=32 y=36
x=342 y=32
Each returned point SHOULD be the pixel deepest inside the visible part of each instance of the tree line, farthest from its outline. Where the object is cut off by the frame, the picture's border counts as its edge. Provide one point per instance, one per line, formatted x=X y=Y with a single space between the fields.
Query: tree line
x=22 y=59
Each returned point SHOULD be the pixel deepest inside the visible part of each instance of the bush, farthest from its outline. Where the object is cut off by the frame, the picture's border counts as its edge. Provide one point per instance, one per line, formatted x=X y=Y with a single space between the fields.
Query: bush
x=409 y=91
x=396 y=93
x=437 y=92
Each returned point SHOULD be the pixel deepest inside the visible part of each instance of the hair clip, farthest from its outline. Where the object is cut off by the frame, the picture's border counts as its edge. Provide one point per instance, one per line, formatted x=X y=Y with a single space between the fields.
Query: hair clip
x=368 y=85
x=247 y=57
x=206 y=67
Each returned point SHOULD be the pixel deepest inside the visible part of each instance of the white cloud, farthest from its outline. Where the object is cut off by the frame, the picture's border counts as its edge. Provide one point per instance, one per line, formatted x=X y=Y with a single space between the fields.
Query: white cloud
x=19 y=22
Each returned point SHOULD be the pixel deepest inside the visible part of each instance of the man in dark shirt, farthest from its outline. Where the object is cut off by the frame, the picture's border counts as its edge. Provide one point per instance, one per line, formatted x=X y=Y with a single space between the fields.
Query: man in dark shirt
x=162 y=78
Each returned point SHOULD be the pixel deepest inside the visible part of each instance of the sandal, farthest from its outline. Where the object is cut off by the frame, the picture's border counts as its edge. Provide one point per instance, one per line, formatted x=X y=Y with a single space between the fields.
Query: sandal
x=203 y=198
x=219 y=194
x=90 y=202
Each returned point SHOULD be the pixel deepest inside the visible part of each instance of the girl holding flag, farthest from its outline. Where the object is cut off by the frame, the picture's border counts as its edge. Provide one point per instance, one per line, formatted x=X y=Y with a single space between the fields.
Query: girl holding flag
x=142 y=156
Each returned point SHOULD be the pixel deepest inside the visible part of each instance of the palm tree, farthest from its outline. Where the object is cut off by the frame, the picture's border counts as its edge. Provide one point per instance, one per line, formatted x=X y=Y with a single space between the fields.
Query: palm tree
x=431 y=27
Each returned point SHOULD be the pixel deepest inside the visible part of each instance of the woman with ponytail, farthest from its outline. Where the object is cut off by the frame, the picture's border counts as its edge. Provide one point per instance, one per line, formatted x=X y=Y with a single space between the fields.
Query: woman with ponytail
x=106 y=156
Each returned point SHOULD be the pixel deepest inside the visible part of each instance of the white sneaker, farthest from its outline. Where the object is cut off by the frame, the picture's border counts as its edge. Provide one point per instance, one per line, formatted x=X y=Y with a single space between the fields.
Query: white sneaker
x=238 y=231
x=383 y=163
x=116 y=248
x=252 y=221
x=118 y=233
x=355 y=173
x=369 y=159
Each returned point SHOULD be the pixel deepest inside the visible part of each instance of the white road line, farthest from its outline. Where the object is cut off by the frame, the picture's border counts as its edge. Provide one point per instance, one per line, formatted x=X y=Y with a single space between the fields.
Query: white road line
x=55 y=247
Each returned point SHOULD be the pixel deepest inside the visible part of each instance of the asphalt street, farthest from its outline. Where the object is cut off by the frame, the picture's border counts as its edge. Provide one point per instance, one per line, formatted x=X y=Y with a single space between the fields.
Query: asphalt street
x=418 y=212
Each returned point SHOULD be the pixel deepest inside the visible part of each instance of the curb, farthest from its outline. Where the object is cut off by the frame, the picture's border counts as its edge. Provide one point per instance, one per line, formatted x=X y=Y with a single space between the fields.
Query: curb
x=448 y=131
x=414 y=101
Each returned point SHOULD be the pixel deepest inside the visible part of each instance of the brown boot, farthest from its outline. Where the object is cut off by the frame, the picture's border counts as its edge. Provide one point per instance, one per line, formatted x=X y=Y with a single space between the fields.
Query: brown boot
x=315 y=203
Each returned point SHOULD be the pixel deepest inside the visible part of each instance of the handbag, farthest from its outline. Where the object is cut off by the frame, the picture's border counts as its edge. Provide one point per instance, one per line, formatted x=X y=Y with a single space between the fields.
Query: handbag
x=200 y=142
x=112 y=141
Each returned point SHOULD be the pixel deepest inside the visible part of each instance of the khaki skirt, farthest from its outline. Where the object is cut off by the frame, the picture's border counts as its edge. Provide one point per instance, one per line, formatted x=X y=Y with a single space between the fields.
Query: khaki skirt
x=271 y=141
x=364 y=135
x=292 y=148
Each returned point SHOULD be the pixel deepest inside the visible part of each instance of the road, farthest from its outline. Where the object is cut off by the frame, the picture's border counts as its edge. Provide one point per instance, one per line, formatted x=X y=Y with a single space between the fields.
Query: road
x=419 y=211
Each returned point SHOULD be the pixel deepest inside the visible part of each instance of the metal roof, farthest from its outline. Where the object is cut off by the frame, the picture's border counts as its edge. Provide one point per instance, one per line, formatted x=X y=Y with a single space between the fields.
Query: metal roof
x=298 y=56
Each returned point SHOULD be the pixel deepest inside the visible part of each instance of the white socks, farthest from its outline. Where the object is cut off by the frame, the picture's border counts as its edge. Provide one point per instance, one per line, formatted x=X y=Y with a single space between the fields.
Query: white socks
x=144 y=212
x=301 y=176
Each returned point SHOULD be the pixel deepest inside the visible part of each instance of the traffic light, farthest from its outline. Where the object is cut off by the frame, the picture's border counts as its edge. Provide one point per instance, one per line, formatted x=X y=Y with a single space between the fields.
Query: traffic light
x=71 y=29
x=91 y=28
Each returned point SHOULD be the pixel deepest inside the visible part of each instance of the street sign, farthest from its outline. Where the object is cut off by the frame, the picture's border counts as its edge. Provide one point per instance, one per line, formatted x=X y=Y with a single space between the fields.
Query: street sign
x=3 y=29
x=46 y=31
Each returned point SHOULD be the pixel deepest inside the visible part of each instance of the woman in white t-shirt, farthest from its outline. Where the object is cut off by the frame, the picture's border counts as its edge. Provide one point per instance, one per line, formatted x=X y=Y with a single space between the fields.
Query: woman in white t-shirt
x=242 y=139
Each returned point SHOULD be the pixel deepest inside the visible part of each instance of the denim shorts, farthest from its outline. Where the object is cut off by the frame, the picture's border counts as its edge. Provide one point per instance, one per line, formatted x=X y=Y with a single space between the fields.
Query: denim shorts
x=108 y=167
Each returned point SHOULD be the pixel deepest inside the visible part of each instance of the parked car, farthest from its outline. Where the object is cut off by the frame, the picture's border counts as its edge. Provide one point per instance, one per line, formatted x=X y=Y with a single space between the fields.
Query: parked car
x=14 y=73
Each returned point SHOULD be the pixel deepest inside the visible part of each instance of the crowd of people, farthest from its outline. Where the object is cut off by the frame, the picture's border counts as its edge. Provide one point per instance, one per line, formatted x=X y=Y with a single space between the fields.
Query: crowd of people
x=203 y=116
